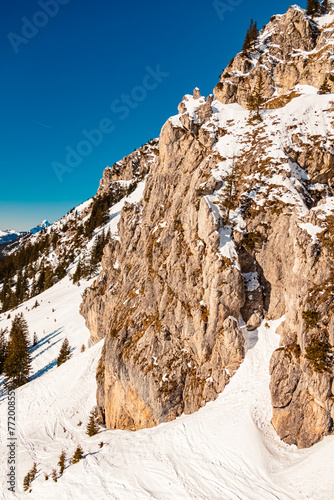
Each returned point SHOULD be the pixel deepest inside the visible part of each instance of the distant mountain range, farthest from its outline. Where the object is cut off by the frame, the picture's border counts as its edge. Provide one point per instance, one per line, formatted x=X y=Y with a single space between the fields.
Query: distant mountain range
x=10 y=235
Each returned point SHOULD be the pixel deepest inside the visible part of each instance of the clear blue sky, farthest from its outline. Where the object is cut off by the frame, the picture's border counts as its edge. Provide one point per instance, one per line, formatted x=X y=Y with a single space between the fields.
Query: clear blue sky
x=62 y=77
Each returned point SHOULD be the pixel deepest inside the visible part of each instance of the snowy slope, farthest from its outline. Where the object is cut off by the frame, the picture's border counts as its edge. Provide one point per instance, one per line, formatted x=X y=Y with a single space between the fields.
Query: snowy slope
x=227 y=450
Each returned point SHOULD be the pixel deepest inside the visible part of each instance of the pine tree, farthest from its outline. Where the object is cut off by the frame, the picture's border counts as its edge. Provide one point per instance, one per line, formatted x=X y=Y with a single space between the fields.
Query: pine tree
x=48 y=278
x=35 y=339
x=313 y=8
x=228 y=193
x=24 y=287
x=17 y=363
x=251 y=36
x=64 y=353
x=97 y=252
x=61 y=462
x=33 y=471
x=18 y=290
x=325 y=7
x=29 y=477
x=325 y=88
x=41 y=279
x=46 y=476
x=78 y=454
x=26 y=482
x=54 y=475
x=83 y=348
x=92 y=426
x=256 y=99
x=78 y=272
x=3 y=348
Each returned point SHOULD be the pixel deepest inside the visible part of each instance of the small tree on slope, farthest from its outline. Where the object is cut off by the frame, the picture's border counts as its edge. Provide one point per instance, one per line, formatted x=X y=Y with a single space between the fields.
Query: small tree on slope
x=64 y=353
x=54 y=475
x=256 y=99
x=92 y=426
x=78 y=454
x=325 y=6
x=3 y=348
x=313 y=8
x=325 y=88
x=61 y=462
x=18 y=362
x=251 y=37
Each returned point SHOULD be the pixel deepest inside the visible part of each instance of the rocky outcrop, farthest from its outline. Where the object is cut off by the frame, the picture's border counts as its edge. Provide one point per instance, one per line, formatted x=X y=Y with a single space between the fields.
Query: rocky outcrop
x=236 y=221
x=167 y=303
x=132 y=168
x=292 y=49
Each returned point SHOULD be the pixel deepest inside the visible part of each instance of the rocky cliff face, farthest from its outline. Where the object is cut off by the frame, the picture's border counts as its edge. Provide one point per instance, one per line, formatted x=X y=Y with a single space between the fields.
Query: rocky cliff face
x=235 y=226
x=292 y=49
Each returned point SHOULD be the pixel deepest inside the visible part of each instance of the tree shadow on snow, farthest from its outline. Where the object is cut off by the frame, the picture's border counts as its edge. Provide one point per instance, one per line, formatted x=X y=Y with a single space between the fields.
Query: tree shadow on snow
x=45 y=340
x=44 y=370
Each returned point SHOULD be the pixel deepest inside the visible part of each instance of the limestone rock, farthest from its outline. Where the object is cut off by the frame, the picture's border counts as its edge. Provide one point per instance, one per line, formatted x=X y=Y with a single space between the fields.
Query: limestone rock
x=291 y=52
x=217 y=236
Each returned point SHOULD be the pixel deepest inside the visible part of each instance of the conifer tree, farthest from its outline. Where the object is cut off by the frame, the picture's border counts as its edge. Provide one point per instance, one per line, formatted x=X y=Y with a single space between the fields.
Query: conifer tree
x=92 y=426
x=64 y=353
x=325 y=88
x=33 y=471
x=313 y=8
x=251 y=36
x=18 y=290
x=78 y=454
x=61 y=462
x=26 y=482
x=17 y=363
x=48 y=278
x=24 y=287
x=41 y=279
x=3 y=348
x=78 y=272
x=35 y=339
x=256 y=99
x=228 y=193
x=325 y=7
x=29 y=477
x=54 y=475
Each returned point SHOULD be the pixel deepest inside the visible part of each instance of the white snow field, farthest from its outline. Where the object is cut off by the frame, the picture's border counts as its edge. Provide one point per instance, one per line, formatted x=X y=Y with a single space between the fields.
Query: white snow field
x=227 y=450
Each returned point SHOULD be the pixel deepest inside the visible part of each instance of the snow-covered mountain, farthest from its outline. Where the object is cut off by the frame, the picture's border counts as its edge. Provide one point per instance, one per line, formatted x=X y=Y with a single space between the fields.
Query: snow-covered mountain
x=196 y=290
x=44 y=224
x=39 y=227
x=8 y=235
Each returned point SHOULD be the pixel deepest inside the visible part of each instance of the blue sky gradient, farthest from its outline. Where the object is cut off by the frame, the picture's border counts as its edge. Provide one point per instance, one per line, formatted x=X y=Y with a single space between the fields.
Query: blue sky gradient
x=70 y=74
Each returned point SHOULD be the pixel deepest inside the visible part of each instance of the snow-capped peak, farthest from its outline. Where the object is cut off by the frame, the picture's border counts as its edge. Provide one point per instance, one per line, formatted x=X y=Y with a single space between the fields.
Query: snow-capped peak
x=44 y=224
